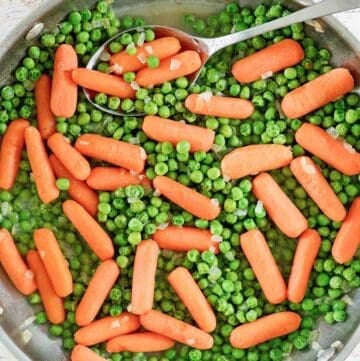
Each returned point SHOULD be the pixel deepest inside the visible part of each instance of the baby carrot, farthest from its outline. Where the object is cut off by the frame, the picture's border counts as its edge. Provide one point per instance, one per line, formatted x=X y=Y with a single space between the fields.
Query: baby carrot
x=129 y=156
x=54 y=261
x=264 y=265
x=45 y=118
x=254 y=159
x=264 y=329
x=270 y=60
x=163 y=130
x=280 y=208
x=94 y=297
x=106 y=329
x=182 y=239
x=317 y=93
x=306 y=251
x=71 y=159
x=176 y=66
x=53 y=304
x=78 y=190
x=347 y=240
x=82 y=353
x=40 y=166
x=310 y=177
x=177 y=330
x=103 y=83
x=186 y=198
x=140 y=342
x=64 y=91
x=10 y=153
x=162 y=48
x=332 y=151
x=190 y=294
x=111 y=178
x=90 y=230
x=143 y=282
x=219 y=106
x=14 y=266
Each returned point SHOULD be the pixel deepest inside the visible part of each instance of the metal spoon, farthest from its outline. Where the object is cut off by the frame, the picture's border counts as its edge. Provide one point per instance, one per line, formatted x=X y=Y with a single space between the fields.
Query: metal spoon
x=206 y=47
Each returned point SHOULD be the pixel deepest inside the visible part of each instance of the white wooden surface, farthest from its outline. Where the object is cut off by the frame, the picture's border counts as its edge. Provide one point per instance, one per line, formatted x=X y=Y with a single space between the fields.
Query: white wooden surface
x=13 y=11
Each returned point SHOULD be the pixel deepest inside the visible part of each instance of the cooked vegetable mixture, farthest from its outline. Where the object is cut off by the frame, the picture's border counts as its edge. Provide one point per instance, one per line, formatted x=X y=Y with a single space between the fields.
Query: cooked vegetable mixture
x=221 y=225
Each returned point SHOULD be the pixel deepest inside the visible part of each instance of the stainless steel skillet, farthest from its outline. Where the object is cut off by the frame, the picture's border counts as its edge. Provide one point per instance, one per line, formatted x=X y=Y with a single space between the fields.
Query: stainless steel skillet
x=346 y=50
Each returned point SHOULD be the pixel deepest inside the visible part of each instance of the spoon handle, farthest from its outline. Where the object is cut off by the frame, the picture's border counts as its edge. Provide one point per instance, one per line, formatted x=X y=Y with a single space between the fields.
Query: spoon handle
x=325 y=7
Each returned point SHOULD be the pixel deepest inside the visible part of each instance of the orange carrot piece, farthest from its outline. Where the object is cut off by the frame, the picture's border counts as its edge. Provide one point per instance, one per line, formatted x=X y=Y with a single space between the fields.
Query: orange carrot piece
x=190 y=294
x=98 y=289
x=97 y=239
x=166 y=130
x=10 y=152
x=140 y=342
x=53 y=304
x=64 y=91
x=103 y=83
x=45 y=118
x=332 y=151
x=162 y=48
x=264 y=329
x=186 y=198
x=14 y=266
x=143 y=282
x=310 y=177
x=106 y=329
x=54 y=261
x=253 y=159
x=82 y=353
x=270 y=60
x=129 y=156
x=181 y=64
x=306 y=251
x=183 y=239
x=71 y=159
x=317 y=93
x=347 y=240
x=280 y=208
x=78 y=190
x=177 y=330
x=112 y=178
x=264 y=265
x=40 y=165
x=219 y=106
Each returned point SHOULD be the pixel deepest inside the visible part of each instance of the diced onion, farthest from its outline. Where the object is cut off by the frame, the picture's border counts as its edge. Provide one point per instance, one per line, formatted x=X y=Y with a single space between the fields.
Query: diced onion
x=135 y=85
x=141 y=39
x=149 y=49
x=349 y=147
x=105 y=56
x=35 y=31
x=142 y=58
x=115 y=324
x=129 y=308
x=157 y=193
x=5 y=207
x=134 y=140
x=175 y=64
x=240 y=212
x=267 y=75
x=216 y=238
x=279 y=109
x=332 y=132
x=325 y=355
x=316 y=346
x=212 y=249
x=259 y=207
x=26 y=336
x=206 y=96
x=226 y=178
x=316 y=25
x=162 y=226
x=348 y=300
x=337 y=345
x=29 y=274
x=143 y=154
x=214 y=202
x=216 y=148
x=116 y=68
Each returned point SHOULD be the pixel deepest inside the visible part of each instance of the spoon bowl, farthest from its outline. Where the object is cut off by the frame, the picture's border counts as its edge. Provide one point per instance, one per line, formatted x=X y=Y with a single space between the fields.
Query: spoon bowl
x=206 y=47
